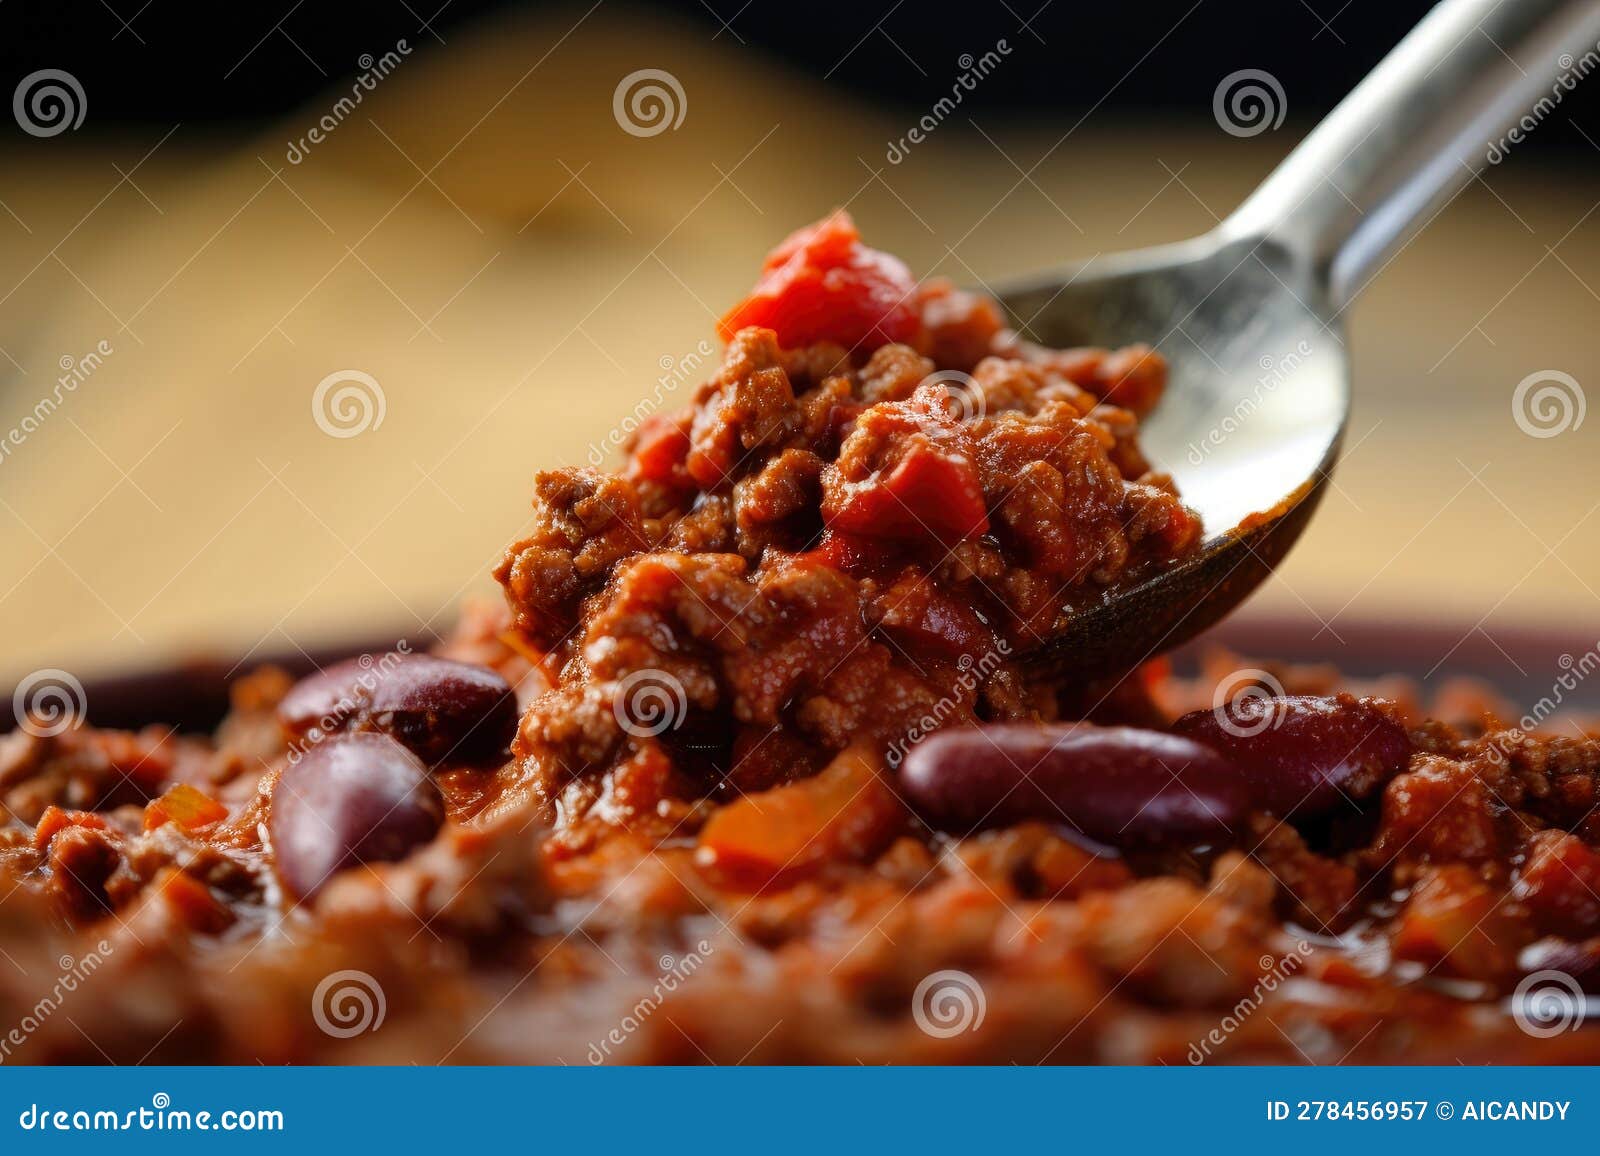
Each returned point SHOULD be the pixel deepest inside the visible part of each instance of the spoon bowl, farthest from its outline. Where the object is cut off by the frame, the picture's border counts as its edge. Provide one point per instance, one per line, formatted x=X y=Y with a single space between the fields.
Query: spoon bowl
x=1250 y=316
x=1249 y=429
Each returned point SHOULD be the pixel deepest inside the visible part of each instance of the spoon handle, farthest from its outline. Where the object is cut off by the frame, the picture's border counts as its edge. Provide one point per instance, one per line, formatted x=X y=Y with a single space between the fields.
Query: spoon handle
x=1469 y=82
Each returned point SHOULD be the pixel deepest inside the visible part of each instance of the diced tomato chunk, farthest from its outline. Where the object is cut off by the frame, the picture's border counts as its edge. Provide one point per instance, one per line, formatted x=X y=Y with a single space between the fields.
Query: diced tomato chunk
x=931 y=492
x=1455 y=923
x=660 y=449
x=184 y=805
x=844 y=812
x=823 y=284
x=850 y=554
x=1133 y=378
x=829 y=241
x=1558 y=882
x=54 y=820
x=928 y=622
x=187 y=900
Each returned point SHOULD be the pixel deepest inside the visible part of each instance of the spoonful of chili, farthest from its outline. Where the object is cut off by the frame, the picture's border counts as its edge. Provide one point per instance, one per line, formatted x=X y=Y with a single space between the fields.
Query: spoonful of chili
x=1251 y=316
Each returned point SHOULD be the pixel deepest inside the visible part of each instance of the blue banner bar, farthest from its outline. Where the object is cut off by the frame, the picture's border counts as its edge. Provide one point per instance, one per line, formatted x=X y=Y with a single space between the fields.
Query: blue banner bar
x=781 y=1110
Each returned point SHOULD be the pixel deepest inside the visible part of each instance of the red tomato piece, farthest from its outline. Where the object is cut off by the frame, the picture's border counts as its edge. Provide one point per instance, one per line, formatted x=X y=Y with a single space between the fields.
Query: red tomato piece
x=928 y=493
x=829 y=241
x=187 y=806
x=849 y=554
x=660 y=449
x=54 y=820
x=844 y=812
x=931 y=623
x=823 y=284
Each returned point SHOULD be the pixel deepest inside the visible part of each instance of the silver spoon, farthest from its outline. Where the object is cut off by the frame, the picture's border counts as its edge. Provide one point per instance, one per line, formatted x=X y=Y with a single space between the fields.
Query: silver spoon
x=1251 y=315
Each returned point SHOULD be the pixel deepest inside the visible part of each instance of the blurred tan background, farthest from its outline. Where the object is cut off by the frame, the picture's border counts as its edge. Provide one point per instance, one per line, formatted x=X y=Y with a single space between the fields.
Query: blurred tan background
x=482 y=238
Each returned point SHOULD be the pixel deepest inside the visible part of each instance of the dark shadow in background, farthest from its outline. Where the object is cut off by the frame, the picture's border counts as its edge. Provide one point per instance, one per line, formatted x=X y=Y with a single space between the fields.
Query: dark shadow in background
x=160 y=62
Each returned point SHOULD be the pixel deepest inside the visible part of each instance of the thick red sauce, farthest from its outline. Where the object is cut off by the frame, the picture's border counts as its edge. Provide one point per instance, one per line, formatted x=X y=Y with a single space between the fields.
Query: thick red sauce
x=754 y=744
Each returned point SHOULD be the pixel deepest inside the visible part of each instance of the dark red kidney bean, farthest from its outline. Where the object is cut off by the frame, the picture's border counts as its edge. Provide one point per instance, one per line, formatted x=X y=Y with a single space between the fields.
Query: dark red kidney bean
x=446 y=710
x=441 y=710
x=321 y=703
x=1301 y=755
x=351 y=799
x=1117 y=785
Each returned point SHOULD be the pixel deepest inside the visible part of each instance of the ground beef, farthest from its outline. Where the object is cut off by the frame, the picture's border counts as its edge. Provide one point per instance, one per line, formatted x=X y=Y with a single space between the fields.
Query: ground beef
x=827 y=539
x=1460 y=870
x=722 y=654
